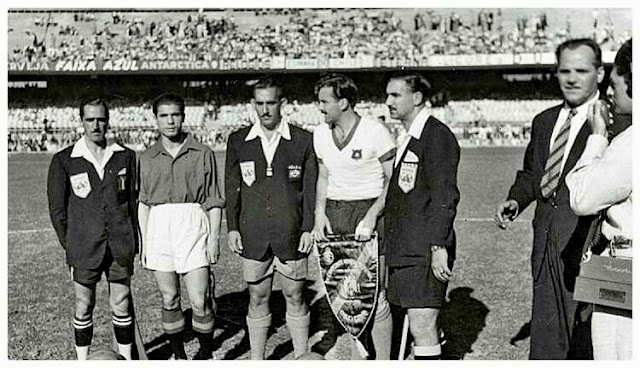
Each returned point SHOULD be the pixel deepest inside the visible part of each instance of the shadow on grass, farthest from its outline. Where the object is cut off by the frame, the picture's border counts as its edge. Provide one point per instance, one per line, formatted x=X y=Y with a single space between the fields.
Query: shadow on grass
x=231 y=316
x=461 y=319
x=158 y=348
x=231 y=313
x=523 y=334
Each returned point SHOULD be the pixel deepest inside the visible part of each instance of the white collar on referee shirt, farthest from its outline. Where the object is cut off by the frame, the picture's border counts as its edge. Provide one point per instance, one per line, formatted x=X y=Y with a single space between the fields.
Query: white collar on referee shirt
x=80 y=149
x=415 y=131
x=258 y=131
x=417 y=126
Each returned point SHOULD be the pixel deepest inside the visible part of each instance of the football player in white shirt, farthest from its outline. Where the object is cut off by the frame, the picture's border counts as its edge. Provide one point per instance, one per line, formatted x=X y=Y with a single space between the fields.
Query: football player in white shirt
x=355 y=161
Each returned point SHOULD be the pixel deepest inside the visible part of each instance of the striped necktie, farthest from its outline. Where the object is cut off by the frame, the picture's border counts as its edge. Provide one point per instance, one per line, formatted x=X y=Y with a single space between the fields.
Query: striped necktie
x=551 y=177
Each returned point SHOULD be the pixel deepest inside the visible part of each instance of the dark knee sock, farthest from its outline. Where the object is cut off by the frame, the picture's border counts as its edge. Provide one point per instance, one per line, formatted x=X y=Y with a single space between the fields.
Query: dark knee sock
x=123 y=329
x=173 y=325
x=203 y=327
x=83 y=331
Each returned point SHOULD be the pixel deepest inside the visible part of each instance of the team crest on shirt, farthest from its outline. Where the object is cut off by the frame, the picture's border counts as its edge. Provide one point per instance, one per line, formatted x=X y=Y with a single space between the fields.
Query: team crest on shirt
x=294 y=172
x=80 y=185
x=407 y=176
x=356 y=154
x=248 y=170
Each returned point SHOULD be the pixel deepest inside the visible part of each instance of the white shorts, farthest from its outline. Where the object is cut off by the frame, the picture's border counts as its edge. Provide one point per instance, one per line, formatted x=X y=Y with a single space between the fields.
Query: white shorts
x=177 y=235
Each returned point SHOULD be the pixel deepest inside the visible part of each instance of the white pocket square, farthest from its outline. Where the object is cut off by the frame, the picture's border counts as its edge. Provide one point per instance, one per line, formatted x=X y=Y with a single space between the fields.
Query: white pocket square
x=410 y=157
x=123 y=171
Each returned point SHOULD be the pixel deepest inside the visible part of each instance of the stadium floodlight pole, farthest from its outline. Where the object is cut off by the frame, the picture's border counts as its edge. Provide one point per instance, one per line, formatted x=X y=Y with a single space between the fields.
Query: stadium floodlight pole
x=403 y=340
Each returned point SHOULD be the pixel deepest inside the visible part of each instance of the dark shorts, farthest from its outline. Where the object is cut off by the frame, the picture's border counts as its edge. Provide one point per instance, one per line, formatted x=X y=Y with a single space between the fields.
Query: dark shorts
x=344 y=217
x=415 y=287
x=112 y=269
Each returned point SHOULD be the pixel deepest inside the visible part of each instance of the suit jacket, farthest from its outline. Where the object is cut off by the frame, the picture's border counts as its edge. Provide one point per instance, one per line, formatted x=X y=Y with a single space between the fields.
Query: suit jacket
x=554 y=222
x=90 y=219
x=271 y=212
x=422 y=198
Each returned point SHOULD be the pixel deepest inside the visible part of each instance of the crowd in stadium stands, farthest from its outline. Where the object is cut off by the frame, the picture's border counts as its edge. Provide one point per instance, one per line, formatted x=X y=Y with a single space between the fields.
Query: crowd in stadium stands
x=344 y=34
x=475 y=122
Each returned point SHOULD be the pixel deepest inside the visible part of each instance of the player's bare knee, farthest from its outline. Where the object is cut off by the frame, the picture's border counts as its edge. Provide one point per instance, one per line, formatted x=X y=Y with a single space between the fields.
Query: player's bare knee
x=423 y=326
x=198 y=304
x=84 y=305
x=257 y=299
x=294 y=300
x=119 y=302
x=292 y=294
x=258 y=304
x=170 y=300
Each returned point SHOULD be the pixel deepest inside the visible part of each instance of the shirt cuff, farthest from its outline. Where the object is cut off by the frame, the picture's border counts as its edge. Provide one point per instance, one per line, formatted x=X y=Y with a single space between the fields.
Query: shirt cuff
x=596 y=144
x=214 y=202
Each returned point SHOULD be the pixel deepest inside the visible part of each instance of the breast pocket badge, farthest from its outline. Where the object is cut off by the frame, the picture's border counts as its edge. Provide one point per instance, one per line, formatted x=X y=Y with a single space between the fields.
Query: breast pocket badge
x=81 y=185
x=295 y=171
x=408 y=172
x=248 y=170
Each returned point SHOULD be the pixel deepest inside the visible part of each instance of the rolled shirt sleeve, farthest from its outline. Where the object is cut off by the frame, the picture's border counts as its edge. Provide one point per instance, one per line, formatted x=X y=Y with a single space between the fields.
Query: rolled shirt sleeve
x=603 y=175
x=213 y=195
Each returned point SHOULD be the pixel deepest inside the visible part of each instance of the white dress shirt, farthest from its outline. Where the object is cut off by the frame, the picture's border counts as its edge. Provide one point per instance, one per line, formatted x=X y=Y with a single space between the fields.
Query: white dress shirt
x=576 y=124
x=415 y=130
x=80 y=149
x=603 y=179
x=269 y=146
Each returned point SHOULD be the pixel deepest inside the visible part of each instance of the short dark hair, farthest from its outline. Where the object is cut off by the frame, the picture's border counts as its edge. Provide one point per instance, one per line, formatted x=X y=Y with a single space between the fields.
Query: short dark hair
x=577 y=42
x=269 y=81
x=168 y=99
x=416 y=83
x=623 y=64
x=93 y=101
x=342 y=86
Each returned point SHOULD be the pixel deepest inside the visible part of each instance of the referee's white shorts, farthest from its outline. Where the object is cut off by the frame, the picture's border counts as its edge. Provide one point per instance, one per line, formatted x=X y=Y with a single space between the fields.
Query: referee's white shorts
x=177 y=235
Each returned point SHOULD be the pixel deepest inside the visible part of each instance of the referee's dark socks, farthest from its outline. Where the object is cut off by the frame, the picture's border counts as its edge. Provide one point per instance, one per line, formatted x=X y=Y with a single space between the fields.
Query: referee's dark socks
x=123 y=329
x=427 y=352
x=203 y=327
x=173 y=326
x=83 y=330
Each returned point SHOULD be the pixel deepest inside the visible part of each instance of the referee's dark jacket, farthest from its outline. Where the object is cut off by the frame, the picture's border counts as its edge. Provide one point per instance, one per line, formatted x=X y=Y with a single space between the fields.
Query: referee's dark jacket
x=90 y=215
x=272 y=212
x=422 y=198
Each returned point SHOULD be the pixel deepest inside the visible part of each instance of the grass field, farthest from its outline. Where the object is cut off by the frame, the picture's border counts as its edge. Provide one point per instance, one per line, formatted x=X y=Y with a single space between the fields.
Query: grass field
x=489 y=298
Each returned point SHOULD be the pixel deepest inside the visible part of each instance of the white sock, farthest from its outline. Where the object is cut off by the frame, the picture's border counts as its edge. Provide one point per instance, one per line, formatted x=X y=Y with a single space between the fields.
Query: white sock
x=258 y=330
x=82 y=352
x=427 y=351
x=125 y=350
x=299 y=330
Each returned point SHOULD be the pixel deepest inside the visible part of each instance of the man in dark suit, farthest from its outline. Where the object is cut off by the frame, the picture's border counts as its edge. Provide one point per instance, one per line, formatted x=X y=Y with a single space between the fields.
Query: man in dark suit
x=271 y=174
x=558 y=137
x=91 y=192
x=420 y=211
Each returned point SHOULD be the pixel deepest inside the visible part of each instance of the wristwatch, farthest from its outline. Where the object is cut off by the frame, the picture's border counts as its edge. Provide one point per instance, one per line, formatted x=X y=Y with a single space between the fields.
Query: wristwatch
x=436 y=247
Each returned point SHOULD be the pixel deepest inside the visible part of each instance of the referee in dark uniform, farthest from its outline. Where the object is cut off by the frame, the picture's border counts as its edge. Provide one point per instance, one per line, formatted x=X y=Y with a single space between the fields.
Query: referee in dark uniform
x=271 y=174
x=91 y=191
x=420 y=210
